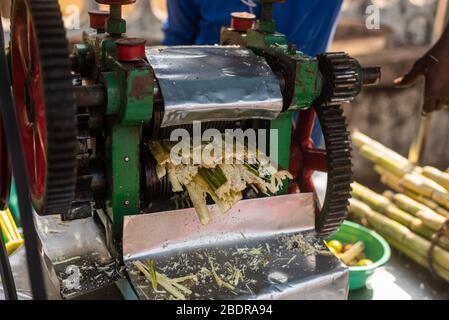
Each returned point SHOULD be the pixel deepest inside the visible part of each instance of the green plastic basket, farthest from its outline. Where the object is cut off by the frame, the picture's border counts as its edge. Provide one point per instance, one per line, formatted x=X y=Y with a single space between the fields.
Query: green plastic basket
x=376 y=249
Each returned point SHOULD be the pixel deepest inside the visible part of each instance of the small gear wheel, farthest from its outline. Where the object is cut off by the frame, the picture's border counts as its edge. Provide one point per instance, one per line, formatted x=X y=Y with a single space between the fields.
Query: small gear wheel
x=343 y=78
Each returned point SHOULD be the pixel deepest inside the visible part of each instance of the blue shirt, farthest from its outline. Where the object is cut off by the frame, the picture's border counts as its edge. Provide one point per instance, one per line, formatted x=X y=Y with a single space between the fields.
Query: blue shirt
x=307 y=23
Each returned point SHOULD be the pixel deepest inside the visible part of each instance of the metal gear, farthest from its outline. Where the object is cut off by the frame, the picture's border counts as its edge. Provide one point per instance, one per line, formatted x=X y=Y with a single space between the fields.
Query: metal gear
x=343 y=76
x=344 y=82
x=339 y=170
x=42 y=85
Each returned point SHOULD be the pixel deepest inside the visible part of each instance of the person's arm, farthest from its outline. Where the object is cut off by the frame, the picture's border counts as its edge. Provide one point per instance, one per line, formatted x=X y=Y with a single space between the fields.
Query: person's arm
x=434 y=67
x=181 y=27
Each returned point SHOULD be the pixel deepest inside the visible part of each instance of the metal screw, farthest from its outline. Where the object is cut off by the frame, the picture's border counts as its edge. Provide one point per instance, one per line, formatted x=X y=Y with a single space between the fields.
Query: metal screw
x=126 y=159
x=127 y=203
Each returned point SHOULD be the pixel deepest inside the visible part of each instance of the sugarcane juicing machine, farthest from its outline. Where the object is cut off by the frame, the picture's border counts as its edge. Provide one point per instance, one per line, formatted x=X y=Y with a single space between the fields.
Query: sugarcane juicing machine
x=86 y=121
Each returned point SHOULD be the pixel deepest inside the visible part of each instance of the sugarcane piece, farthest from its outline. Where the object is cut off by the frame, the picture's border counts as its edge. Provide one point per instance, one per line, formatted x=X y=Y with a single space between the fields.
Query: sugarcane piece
x=389 y=179
x=160 y=280
x=413 y=181
x=417 y=184
x=393 y=182
x=163 y=279
x=408 y=220
x=359 y=139
x=415 y=224
x=422 y=185
x=418 y=258
x=198 y=198
x=428 y=203
x=395 y=230
x=438 y=176
x=430 y=218
x=383 y=204
x=352 y=253
x=220 y=282
x=152 y=271
x=370 y=197
x=381 y=159
x=411 y=177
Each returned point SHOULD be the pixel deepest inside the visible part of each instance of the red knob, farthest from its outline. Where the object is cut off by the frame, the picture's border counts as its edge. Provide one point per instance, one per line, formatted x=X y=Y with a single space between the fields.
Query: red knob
x=115 y=2
x=242 y=21
x=98 y=19
x=130 y=49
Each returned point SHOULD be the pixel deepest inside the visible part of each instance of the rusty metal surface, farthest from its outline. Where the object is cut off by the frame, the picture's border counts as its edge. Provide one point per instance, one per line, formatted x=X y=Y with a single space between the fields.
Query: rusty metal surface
x=271 y=241
x=214 y=83
x=90 y=95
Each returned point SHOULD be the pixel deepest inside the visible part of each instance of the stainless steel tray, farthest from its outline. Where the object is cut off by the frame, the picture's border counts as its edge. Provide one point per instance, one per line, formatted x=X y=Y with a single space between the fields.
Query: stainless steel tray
x=270 y=242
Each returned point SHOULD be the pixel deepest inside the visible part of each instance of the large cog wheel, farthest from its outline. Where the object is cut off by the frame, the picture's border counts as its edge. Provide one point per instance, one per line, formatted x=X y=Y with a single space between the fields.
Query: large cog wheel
x=339 y=170
x=42 y=86
x=343 y=82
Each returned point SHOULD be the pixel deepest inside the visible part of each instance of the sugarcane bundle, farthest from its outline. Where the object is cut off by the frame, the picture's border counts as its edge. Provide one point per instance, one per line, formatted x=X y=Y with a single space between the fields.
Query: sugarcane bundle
x=385 y=205
x=402 y=238
x=222 y=175
x=391 y=181
x=426 y=185
x=413 y=218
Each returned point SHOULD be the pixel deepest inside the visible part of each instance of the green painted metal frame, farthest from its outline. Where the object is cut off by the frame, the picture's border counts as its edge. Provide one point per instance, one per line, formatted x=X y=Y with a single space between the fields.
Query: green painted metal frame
x=284 y=125
x=129 y=89
x=123 y=157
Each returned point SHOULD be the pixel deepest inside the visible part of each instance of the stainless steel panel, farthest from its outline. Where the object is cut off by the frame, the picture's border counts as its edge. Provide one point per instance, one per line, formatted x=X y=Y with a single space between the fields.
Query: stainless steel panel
x=75 y=255
x=214 y=83
x=268 y=239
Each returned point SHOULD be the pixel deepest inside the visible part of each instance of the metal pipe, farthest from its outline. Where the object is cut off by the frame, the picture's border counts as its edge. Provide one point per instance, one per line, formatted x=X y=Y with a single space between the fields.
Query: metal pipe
x=115 y=12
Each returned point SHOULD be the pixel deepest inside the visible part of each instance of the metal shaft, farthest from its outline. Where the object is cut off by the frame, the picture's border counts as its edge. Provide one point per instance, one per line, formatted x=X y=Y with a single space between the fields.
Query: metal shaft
x=90 y=96
x=115 y=11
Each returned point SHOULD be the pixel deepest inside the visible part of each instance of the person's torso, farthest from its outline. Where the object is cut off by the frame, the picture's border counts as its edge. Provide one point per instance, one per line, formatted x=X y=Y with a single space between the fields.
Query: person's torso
x=307 y=23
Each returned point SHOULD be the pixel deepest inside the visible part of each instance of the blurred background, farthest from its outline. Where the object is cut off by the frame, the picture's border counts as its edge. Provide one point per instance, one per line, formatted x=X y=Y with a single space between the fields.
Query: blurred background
x=384 y=113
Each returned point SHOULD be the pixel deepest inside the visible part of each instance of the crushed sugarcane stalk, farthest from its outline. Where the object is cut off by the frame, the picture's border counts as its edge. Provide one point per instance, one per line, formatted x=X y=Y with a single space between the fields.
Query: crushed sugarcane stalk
x=177 y=290
x=220 y=282
x=222 y=177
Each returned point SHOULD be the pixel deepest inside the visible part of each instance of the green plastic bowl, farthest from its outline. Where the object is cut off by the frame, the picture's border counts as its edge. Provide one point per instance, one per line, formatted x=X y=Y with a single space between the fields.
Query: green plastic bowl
x=376 y=249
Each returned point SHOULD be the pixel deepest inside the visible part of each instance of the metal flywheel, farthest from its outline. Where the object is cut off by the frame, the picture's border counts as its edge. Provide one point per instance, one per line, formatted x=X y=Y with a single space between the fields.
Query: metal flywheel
x=43 y=91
